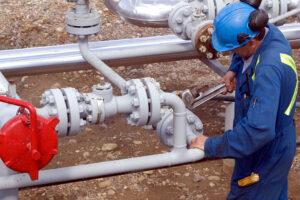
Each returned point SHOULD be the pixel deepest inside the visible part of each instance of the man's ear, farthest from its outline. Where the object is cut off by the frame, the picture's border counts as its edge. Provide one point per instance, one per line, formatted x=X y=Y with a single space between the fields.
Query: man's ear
x=252 y=43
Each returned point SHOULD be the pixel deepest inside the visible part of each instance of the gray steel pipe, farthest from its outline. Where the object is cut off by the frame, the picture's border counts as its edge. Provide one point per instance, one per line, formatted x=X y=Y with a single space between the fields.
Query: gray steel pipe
x=29 y=61
x=179 y=118
x=153 y=13
x=92 y=59
x=20 y=62
x=102 y=169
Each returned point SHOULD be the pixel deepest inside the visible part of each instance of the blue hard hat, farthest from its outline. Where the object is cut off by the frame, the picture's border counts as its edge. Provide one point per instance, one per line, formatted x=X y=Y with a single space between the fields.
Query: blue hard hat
x=229 y=24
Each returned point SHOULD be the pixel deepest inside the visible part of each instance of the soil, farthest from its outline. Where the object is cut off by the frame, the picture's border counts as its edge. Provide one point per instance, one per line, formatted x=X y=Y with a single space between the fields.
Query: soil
x=40 y=23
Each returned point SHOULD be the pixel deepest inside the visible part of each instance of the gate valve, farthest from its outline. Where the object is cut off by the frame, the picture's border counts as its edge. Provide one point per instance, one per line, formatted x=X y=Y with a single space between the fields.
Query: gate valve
x=28 y=142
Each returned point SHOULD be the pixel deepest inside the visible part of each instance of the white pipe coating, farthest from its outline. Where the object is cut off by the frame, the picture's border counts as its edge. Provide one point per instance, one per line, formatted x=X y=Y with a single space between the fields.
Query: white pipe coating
x=107 y=72
x=179 y=119
x=102 y=169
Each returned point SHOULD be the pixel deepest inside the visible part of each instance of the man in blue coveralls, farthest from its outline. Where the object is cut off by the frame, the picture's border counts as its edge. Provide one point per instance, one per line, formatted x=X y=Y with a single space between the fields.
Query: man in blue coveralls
x=265 y=77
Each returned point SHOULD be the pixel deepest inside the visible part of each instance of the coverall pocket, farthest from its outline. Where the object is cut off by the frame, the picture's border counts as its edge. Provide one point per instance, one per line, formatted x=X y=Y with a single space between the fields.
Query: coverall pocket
x=253 y=113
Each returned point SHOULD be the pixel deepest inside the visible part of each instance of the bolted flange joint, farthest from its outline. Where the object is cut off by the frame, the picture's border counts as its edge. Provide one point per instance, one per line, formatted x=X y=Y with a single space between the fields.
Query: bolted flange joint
x=82 y=21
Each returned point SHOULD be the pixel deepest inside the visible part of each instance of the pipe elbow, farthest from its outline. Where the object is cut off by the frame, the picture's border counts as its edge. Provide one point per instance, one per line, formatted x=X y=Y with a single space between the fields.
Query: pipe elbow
x=153 y=13
x=175 y=102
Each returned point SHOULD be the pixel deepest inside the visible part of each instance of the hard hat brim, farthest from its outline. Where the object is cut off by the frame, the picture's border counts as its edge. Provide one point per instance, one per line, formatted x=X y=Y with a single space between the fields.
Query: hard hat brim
x=219 y=46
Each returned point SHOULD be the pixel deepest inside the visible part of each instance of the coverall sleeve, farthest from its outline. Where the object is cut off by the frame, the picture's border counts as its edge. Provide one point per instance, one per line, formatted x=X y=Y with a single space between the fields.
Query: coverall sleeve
x=258 y=127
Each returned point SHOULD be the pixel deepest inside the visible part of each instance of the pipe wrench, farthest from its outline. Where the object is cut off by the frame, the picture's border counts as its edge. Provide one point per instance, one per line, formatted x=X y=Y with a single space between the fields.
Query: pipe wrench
x=193 y=99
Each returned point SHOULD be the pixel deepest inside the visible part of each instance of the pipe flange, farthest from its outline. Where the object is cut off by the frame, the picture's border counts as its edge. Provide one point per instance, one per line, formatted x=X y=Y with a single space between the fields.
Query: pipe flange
x=178 y=17
x=75 y=124
x=54 y=100
x=153 y=91
x=165 y=132
x=82 y=24
x=202 y=41
x=140 y=107
x=93 y=110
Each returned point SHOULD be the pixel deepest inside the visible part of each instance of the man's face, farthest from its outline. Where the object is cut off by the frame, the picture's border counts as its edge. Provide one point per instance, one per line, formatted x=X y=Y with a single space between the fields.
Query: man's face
x=245 y=51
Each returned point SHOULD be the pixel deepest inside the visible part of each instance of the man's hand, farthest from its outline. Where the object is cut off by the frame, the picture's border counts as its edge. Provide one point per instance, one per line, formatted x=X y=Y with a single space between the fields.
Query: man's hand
x=198 y=142
x=230 y=81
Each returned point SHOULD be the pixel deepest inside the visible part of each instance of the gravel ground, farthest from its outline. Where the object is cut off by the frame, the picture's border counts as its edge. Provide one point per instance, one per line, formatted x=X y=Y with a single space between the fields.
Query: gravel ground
x=40 y=23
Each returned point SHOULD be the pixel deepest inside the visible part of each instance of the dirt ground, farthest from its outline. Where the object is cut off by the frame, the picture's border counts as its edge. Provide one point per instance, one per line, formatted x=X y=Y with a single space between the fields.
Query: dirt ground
x=34 y=23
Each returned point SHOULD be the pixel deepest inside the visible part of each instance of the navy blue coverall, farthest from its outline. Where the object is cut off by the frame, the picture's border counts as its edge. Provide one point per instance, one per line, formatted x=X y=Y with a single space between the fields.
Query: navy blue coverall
x=263 y=138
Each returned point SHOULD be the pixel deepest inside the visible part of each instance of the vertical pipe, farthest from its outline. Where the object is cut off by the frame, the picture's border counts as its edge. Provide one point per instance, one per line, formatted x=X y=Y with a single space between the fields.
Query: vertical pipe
x=229 y=115
x=179 y=119
x=228 y=163
x=92 y=59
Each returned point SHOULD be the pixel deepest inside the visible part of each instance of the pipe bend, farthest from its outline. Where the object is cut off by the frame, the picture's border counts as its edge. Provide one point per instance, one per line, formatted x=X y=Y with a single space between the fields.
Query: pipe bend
x=175 y=102
x=152 y=13
x=93 y=60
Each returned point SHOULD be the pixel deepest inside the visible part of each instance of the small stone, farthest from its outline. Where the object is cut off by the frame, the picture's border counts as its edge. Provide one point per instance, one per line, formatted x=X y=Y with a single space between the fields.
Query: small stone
x=198 y=178
x=72 y=141
x=199 y=196
x=137 y=142
x=149 y=172
x=111 y=156
x=86 y=154
x=182 y=197
x=121 y=68
x=109 y=147
x=211 y=184
x=24 y=78
x=26 y=86
x=55 y=85
x=105 y=184
x=213 y=178
x=177 y=174
x=148 y=127
x=140 y=179
x=187 y=174
x=111 y=192
x=206 y=169
x=221 y=114
x=88 y=129
x=59 y=29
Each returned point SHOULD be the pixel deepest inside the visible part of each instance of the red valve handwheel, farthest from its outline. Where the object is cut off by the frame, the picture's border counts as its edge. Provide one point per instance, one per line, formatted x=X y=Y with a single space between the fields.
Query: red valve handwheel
x=27 y=143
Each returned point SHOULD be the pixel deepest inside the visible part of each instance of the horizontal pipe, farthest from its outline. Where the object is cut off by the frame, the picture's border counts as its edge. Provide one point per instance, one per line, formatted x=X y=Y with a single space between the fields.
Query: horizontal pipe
x=102 y=169
x=39 y=60
x=52 y=59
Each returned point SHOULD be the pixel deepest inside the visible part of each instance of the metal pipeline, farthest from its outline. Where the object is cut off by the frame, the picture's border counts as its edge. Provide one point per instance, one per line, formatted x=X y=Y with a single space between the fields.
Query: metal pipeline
x=40 y=60
x=179 y=118
x=153 y=13
x=102 y=169
x=63 y=58
x=92 y=59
